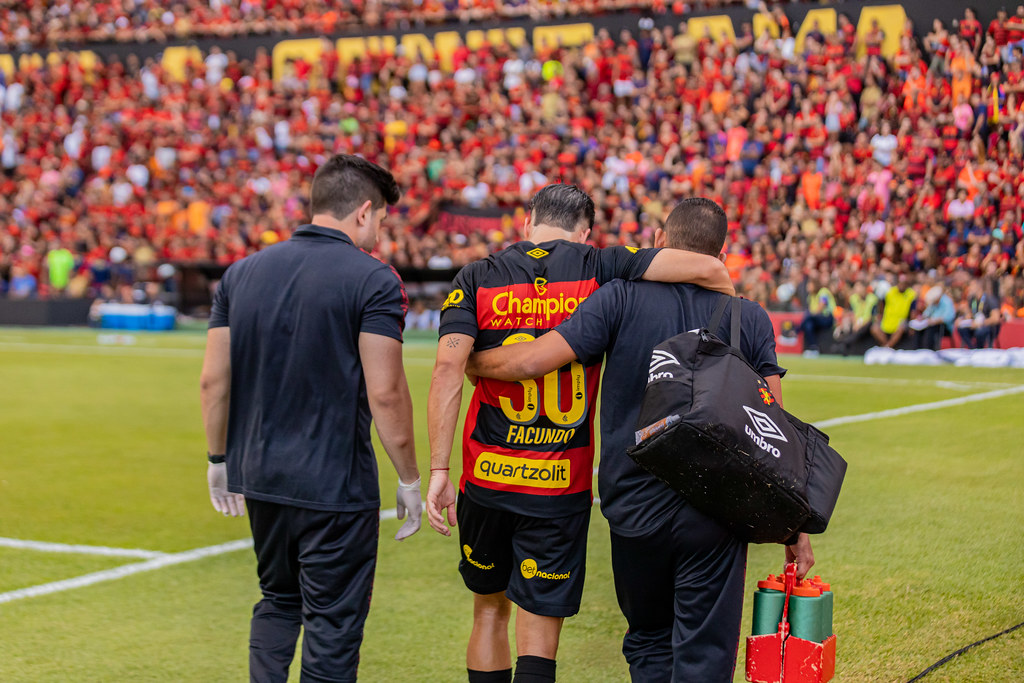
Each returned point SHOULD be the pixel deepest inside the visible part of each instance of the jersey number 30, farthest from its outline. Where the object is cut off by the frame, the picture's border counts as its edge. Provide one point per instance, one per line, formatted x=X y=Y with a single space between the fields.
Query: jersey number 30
x=527 y=414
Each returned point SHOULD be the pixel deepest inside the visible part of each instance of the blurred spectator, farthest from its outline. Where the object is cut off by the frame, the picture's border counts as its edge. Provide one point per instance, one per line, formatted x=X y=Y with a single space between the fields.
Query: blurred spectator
x=858 y=317
x=936 y=321
x=821 y=304
x=978 y=324
x=895 y=313
x=826 y=164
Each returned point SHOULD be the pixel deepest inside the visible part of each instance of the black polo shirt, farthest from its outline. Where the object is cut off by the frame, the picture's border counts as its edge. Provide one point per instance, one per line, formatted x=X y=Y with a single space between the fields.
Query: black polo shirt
x=627 y=320
x=299 y=420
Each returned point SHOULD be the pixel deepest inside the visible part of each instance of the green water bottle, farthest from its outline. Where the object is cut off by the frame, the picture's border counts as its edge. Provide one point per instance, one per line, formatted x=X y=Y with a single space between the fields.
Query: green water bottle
x=826 y=606
x=769 y=599
x=805 y=612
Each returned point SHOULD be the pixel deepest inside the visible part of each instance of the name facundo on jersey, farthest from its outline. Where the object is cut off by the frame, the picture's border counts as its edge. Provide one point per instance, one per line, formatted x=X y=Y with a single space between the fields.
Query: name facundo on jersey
x=532 y=436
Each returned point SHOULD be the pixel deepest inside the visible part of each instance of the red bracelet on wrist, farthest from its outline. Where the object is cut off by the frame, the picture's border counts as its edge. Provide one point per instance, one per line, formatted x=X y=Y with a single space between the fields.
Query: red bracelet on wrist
x=439 y=469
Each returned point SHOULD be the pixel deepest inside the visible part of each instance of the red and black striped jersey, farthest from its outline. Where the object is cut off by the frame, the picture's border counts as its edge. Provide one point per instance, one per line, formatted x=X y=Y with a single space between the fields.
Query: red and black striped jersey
x=528 y=446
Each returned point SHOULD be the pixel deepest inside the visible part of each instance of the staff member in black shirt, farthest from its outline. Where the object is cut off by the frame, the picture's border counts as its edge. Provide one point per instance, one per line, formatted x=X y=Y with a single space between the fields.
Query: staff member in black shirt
x=304 y=347
x=678 y=573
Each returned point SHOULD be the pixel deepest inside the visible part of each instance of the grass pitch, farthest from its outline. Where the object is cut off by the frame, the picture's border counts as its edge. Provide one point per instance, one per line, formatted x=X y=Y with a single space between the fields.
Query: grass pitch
x=101 y=444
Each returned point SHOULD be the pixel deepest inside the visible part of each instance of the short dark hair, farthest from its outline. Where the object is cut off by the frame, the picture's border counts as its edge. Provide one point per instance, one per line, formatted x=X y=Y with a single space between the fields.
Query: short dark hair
x=697 y=224
x=345 y=181
x=562 y=206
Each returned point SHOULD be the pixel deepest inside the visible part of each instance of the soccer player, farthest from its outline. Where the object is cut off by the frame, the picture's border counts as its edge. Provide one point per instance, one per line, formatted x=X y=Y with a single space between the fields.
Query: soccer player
x=304 y=347
x=678 y=573
x=528 y=447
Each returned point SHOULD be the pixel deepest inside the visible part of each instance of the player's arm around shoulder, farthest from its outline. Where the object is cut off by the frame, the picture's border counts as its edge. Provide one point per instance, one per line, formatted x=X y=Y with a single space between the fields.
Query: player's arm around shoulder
x=387 y=391
x=677 y=265
x=523 y=360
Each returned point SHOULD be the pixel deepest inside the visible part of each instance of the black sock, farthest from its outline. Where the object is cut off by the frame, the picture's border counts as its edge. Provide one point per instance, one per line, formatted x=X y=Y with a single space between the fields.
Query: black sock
x=503 y=676
x=530 y=669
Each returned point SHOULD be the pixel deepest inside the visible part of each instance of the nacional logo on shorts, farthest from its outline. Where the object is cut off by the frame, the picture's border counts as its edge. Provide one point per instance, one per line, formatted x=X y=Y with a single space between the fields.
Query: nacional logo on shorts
x=467 y=551
x=506 y=469
x=529 y=571
x=537 y=253
x=764 y=429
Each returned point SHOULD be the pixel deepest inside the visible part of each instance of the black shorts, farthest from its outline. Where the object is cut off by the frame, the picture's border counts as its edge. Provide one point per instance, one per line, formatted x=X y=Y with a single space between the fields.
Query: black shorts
x=539 y=562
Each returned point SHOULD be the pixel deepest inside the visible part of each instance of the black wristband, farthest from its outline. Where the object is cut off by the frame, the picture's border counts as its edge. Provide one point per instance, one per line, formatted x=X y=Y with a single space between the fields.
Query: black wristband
x=216 y=459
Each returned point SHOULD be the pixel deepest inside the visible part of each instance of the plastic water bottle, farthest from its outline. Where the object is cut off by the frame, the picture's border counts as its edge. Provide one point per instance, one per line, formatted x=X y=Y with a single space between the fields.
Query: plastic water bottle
x=769 y=599
x=805 y=612
x=826 y=606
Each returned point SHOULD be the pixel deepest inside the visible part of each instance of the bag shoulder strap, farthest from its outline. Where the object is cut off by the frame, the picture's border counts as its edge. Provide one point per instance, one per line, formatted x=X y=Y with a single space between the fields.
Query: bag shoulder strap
x=734 y=333
x=716 y=317
x=735 y=316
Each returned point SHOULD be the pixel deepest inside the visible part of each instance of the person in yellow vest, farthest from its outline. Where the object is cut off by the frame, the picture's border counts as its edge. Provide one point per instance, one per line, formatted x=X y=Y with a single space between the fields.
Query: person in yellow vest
x=856 y=321
x=895 y=313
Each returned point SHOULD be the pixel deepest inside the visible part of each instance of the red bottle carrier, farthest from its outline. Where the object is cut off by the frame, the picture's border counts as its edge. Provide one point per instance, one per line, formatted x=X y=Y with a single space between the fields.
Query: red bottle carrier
x=783 y=658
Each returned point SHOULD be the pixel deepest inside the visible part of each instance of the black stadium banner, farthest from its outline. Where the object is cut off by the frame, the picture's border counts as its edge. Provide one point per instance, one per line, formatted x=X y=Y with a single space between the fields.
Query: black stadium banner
x=442 y=39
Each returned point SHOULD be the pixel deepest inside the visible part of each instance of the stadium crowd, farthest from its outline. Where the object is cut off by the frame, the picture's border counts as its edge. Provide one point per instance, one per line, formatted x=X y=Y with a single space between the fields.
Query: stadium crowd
x=30 y=24
x=831 y=167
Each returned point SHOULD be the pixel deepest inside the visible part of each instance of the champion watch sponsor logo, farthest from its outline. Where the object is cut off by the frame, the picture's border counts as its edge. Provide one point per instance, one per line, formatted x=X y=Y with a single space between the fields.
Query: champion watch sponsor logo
x=528 y=567
x=764 y=428
x=538 y=304
x=659 y=360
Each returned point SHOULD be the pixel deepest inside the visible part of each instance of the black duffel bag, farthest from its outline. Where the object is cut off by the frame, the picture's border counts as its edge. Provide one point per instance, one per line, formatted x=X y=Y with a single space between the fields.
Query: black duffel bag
x=711 y=429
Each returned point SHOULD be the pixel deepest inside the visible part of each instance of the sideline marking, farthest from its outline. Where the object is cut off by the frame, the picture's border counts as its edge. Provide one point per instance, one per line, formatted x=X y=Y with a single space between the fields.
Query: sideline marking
x=167 y=560
x=918 y=408
x=126 y=570
x=44 y=546
x=942 y=384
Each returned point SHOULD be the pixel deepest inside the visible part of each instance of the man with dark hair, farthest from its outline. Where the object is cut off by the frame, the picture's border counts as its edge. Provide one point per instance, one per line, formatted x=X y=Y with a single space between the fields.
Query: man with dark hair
x=528 y=447
x=678 y=574
x=304 y=348
x=344 y=182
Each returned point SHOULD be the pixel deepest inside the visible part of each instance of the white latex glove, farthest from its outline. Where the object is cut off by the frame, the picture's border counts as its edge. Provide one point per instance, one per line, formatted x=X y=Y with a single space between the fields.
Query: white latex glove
x=408 y=499
x=231 y=504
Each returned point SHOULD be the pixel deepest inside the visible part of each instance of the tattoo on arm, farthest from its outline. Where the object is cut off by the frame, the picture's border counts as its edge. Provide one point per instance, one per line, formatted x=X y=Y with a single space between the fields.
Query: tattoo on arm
x=452 y=342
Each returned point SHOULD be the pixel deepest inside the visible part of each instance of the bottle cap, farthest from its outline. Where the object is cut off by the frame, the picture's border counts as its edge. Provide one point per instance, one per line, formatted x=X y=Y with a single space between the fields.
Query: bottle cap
x=804 y=589
x=816 y=581
x=771 y=583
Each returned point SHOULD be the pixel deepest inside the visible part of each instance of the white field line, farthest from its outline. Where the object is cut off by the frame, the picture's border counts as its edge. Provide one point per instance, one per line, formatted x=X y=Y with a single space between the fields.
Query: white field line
x=919 y=408
x=942 y=384
x=124 y=571
x=43 y=546
x=167 y=560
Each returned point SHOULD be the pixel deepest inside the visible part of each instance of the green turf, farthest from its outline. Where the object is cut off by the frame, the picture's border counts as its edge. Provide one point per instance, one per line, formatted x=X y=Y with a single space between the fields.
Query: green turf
x=102 y=444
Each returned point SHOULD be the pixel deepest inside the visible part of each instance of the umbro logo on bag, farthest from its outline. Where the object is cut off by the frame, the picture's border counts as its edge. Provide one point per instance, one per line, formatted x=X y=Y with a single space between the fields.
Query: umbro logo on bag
x=660 y=359
x=764 y=429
